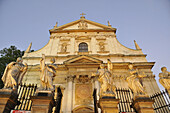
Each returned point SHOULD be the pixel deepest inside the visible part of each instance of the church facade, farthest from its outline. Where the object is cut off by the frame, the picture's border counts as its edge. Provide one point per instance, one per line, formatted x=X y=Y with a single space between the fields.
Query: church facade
x=79 y=48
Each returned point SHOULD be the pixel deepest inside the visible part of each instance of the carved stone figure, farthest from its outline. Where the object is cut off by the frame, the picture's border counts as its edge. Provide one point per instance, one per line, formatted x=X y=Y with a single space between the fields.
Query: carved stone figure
x=164 y=78
x=47 y=74
x=64 y=47
x=134 y=81
x=104 y=77
x=109 y=65
x=14 y=74
x=101 y=46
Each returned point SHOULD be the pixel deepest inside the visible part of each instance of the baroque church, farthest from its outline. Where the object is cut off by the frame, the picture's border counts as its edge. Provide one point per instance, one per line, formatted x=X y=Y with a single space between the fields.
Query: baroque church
x=79 y=48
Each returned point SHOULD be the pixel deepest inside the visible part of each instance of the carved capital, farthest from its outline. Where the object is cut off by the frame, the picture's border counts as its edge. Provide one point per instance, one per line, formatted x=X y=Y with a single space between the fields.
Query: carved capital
x=83 y=78
x=70 y=78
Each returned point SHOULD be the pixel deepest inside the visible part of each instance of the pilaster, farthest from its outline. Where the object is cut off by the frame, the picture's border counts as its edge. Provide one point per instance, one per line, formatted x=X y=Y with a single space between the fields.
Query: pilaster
x=69 y=94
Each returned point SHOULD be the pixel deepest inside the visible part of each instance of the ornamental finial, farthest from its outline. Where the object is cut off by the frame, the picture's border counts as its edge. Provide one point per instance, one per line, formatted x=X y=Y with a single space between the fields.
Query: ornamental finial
x=109 y=24
x=82 y=15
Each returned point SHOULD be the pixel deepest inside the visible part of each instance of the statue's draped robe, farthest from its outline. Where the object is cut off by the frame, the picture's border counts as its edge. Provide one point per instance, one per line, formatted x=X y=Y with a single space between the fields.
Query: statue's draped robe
x=47 y=74
x=134 y=82
x=104 y=79
x=13 y=74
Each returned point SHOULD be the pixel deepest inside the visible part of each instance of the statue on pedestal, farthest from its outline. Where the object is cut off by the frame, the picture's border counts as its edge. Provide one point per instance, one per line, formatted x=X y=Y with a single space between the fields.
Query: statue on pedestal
x=48 y=72
x=105 y=79
x=134 y=81
x=14 y=74
x=164 y=78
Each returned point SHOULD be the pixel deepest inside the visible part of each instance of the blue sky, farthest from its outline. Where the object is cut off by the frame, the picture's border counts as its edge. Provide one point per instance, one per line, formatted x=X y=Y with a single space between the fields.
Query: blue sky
x=146 y=21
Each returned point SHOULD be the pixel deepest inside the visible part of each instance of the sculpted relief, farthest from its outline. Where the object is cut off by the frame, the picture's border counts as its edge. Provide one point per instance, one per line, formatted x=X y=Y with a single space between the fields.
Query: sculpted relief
x=64 y=47
x=164 y=78
x=14 y=74
x=101 y=46
x=82 y=25
x=47 y=74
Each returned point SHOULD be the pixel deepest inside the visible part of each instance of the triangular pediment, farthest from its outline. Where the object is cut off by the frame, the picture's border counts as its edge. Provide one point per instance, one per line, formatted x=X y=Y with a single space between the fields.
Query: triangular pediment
x=82 y=59
x=83 y=24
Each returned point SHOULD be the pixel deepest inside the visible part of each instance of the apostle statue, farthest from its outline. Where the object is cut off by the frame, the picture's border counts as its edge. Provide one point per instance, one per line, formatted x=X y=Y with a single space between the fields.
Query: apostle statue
x=164 y=78
x=48 y=72
x=105 y=79
x=14 y=74
x=134 y=82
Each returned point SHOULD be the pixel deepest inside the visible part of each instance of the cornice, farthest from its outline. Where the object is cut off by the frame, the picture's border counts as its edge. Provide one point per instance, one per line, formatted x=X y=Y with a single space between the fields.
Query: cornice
x=82 y=30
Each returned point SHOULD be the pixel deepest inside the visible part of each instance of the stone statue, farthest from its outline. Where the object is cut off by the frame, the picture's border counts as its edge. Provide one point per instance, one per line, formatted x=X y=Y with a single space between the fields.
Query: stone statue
x=164 y=78
x=48 y=72
x=109 y=65
x=64 y=47
x=134 y=81
x=14 y=74
x=106 y=85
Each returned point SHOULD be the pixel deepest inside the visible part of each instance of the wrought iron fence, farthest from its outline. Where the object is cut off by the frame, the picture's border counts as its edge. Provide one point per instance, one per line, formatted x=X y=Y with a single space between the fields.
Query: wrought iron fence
x=25 y=92
x=162 y=102
x=125 y=100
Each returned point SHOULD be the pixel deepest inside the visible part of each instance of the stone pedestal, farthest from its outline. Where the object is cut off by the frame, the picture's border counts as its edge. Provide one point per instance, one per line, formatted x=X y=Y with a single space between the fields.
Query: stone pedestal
x=143 y=105
x=43 y=102
x=109 y=105
x=8 y=100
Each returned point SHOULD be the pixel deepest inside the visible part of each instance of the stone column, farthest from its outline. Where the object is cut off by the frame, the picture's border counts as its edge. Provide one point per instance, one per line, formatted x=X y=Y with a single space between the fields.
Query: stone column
x=143 y=105
x=97 y=86
x=109 y=105
x=8 y=100
x=69 y=94
x=43 y=102
x=64 y=100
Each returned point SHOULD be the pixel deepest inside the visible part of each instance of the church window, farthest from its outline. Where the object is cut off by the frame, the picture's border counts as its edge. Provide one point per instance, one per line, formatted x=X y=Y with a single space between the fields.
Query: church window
x=83 y=47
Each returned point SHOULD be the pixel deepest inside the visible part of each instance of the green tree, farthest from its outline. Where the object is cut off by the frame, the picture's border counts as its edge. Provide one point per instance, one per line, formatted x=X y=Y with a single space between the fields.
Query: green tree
x=8 y=55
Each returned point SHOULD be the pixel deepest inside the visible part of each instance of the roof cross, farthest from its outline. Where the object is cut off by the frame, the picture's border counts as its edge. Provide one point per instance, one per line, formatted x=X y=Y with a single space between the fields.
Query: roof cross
x=82 y=15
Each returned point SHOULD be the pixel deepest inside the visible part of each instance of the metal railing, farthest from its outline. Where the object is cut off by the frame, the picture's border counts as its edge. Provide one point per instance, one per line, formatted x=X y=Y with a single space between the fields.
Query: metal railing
x=125 y=100
x=161 y=102
x=24 y=94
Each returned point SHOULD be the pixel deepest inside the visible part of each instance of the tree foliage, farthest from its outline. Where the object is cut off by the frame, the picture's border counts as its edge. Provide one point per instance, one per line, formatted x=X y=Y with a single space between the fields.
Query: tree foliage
x=8 y=55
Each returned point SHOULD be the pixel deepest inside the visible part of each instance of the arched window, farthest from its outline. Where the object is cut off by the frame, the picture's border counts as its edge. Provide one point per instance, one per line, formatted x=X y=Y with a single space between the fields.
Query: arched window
x=83 y=47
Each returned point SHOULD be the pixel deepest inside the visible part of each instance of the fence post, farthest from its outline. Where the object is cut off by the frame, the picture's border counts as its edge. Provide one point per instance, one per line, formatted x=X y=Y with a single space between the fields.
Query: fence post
x=109 y=105
x=8 y=100
x=43 y=102
x=143 y=105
